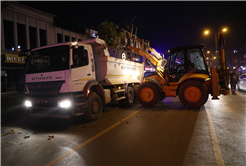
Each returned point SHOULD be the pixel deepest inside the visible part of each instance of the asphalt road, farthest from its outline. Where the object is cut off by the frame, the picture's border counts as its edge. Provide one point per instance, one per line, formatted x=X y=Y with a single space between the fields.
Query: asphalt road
x=166 y=134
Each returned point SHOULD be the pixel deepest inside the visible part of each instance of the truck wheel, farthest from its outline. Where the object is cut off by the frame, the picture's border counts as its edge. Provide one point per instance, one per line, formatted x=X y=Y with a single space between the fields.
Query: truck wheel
x=147 y=94
x=94 y=108
x=129 y=97
x=193 y=94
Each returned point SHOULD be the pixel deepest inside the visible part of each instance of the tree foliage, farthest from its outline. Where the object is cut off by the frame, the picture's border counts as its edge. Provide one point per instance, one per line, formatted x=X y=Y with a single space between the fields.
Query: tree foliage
x=111 y=34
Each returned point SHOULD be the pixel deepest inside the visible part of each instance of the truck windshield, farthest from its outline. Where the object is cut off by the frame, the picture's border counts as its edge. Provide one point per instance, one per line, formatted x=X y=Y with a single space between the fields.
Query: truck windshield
x=48 y=59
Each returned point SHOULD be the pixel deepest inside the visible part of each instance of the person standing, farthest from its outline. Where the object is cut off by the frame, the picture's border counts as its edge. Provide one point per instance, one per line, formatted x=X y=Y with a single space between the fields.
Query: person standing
x=233 y=81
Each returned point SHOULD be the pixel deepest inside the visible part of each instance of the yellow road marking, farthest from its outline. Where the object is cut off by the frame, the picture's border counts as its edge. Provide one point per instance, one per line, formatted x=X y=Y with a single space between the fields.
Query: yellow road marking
x=122 y=75
x=217 y=151
x=91 y=139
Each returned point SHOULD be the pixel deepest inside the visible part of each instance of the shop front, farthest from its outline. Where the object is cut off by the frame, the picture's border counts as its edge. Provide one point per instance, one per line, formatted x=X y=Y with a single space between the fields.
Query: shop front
x=12 y=72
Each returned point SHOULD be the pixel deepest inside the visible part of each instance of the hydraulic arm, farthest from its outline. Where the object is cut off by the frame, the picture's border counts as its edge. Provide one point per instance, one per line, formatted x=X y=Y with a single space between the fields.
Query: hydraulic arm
x=156 y=60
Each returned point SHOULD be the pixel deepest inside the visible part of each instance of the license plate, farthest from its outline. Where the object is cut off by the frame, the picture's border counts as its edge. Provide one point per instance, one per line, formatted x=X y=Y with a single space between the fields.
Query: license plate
x=42 y=101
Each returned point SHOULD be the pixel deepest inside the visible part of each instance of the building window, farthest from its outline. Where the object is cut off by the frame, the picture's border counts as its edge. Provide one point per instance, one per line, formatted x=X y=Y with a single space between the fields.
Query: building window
x=43 y=40
x=59 y=38
x=67 y=38
x=8 y=35
x=79 y=40
x=73 y=39
x=32 y=37
x=21 y=32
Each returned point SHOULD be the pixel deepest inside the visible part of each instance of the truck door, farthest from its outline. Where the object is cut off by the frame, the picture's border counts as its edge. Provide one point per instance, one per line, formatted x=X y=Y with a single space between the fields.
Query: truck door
x=81 y=70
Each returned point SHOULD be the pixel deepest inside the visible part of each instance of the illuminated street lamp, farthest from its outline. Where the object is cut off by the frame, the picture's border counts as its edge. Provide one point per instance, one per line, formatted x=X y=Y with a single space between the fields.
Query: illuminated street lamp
x=216 y=33
x=216 y=38
x=206 y=32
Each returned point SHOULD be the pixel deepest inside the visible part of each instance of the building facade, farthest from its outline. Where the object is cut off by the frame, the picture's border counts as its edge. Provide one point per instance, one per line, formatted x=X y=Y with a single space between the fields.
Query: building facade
x=239 y=60
x=25 y=28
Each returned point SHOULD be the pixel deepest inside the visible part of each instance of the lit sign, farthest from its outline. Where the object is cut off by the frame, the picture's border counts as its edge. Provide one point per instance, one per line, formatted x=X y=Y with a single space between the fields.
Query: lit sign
x=123 y=56
x=13 y=58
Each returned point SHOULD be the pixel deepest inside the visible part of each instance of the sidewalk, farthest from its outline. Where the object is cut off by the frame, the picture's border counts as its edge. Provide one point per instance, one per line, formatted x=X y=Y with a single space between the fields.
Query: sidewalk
x=12 y=101
x=11 y=94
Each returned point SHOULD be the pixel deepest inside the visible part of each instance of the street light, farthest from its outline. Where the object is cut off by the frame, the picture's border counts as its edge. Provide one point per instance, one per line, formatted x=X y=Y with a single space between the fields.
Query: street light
x=216 y=38
x=206 y=32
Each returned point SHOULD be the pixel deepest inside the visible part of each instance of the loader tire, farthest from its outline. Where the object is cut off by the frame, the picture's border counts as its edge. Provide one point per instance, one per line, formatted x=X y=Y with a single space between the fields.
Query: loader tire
x=162 y=96
x=193 y=94
x=94 y=108
x=129 y=98
x=147 y=94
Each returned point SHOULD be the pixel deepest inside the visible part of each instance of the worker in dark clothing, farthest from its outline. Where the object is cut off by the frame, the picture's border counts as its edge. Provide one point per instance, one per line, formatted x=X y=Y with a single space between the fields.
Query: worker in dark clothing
x=233 y=80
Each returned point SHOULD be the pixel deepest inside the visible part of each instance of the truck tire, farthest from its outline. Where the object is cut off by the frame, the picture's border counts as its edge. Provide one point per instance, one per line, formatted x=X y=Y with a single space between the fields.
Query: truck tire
x=147 y=94
x=129 y=97
x=193 y=94
x=94 y=108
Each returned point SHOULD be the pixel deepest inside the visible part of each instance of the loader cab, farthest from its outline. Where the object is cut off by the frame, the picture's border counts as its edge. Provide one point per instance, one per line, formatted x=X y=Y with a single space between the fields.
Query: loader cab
x=188 y=59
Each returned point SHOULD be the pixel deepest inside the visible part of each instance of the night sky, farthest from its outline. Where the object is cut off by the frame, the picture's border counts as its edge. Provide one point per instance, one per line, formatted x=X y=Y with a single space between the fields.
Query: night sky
x=166 y=24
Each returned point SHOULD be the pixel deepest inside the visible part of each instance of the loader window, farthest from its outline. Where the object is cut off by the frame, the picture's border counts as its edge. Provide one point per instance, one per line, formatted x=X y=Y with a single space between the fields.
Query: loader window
x=176 y=65
x=177 y=61
x=196 y=62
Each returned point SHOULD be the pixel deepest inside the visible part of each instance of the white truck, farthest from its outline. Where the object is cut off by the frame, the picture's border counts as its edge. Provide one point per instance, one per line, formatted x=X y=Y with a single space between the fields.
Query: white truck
x=56 y=88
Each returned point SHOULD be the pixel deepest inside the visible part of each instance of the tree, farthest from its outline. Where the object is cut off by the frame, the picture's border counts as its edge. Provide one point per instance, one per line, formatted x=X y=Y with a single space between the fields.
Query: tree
x=111 y=34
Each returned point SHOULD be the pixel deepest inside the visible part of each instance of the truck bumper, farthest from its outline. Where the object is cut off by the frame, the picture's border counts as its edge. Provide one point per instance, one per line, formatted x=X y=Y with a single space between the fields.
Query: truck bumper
x=50 y=107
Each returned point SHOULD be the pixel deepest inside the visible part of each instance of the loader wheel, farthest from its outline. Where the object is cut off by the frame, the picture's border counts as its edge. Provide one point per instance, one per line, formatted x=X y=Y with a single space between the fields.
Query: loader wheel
x=129 y=98
x=162 y=96
x=147 y=94
x=94 y=108
x=193 y=94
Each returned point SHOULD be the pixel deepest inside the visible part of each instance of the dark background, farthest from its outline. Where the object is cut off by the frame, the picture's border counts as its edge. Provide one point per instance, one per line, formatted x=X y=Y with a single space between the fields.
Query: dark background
x=166 y=24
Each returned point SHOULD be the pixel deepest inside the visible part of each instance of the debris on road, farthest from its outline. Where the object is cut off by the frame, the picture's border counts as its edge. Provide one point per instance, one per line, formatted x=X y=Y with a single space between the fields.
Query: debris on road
x=50 y=137
x=26 y=136
x=156 y=115
x=11 y=132
x=35 y=132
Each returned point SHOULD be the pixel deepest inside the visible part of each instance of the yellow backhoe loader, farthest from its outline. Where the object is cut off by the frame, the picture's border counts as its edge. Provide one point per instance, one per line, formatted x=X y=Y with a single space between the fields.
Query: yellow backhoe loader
x=185 y=74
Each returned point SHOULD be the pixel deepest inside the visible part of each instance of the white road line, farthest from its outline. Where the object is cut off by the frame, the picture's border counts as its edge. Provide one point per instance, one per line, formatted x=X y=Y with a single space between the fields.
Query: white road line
x=217 y=151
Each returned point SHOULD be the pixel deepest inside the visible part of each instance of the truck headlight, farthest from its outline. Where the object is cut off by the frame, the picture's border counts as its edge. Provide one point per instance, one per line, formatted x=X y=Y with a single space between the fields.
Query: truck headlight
x=64 y=103
x=28 y=103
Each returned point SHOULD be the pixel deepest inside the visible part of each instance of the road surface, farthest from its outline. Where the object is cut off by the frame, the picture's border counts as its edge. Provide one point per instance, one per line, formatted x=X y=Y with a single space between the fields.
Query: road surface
x=166 y=134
